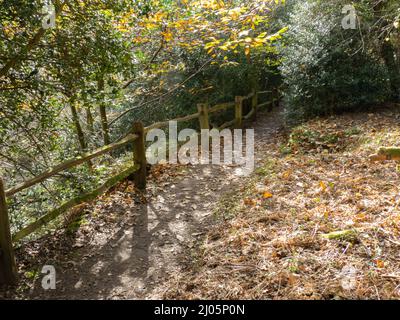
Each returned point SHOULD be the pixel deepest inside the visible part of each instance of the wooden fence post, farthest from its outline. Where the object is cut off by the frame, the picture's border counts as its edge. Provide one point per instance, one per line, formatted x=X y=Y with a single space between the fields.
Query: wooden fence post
x=203 y=115
x=254 y=104
x=139 y=156
x=239 y=111
x=8 y=269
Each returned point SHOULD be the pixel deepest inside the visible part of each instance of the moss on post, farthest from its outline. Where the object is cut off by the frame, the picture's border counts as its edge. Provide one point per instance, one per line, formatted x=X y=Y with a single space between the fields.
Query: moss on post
x=386 y=153
x=8 y=270
x=341 y=235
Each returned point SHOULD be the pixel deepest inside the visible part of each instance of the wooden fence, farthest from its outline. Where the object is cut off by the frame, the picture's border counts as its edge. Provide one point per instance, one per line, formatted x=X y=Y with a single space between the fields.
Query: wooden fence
x=8 y=273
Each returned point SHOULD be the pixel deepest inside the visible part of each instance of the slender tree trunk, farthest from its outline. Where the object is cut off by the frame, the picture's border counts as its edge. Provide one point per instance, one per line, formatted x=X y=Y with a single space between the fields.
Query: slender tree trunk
x=388 y=53
x=104 y=124
x=78 y=127
x=89 y=120
x=79 y=131
x=389 y=56
x=103 y=114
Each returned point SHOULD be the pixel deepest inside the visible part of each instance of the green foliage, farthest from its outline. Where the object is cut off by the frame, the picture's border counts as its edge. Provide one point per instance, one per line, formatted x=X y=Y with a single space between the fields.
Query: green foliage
x=326 y=68
x=318 y=137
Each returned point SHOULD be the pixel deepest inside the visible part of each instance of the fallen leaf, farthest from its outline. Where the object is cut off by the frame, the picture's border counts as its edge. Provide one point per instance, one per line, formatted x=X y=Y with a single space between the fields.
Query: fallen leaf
x=267 y=195
x=379 y=263
x=249 y=202
x=286 y=175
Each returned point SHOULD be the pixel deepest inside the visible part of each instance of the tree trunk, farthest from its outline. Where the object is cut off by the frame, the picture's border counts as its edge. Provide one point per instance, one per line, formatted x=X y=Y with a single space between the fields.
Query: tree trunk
x=103 y=114
x=388 y=53
x=89 y=120
x=79 y=131
x=78 y=127
x=389 y=56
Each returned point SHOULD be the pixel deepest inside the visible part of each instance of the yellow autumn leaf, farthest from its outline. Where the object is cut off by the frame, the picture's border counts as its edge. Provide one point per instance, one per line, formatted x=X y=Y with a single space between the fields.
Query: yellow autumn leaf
x=167 y=36
x=361 y=217
x=267 y=195
x=286 y=175
x=379 y=263
x=323 y=186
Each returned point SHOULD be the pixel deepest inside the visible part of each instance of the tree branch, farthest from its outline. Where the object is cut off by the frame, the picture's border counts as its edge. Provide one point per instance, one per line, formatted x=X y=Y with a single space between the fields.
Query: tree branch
x=13 y=62
x=163 y=95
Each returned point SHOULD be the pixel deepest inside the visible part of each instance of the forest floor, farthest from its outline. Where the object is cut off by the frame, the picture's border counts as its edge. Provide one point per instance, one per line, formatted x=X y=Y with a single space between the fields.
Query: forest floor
x=315 y=180
x=205 y=232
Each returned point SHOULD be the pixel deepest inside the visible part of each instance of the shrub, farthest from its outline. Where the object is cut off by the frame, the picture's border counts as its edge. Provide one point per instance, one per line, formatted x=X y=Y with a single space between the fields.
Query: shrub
x=326 y=68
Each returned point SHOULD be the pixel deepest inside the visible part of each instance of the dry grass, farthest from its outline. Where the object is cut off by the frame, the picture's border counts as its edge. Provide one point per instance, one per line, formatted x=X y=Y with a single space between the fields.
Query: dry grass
x=272 y=247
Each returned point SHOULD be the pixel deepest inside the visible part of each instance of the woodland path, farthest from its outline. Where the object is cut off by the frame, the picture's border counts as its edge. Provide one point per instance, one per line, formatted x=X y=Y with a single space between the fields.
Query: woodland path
x=133 y=246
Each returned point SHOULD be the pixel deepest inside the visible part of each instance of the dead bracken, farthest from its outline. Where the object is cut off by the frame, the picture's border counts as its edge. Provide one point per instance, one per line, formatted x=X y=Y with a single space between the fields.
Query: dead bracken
x=331 y=211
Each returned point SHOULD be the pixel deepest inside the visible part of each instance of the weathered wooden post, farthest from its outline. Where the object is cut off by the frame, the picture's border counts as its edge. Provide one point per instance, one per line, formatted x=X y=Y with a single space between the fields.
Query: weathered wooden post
x=139 y=156
x=8 y=269
x=238 y=111
x=254 y=104
x=203 y=115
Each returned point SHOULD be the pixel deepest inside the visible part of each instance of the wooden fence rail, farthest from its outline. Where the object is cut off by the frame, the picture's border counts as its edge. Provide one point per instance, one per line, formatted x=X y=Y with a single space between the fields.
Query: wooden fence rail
x=69 y=164
x=73 y=203
x=138 y=170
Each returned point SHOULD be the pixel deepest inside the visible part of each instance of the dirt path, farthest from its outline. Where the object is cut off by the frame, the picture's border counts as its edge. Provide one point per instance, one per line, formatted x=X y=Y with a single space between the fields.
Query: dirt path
x=137 y=247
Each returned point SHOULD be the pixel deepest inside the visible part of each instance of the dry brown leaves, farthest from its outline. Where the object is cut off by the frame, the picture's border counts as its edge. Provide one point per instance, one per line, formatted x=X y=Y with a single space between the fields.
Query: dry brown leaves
x=273 y=249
